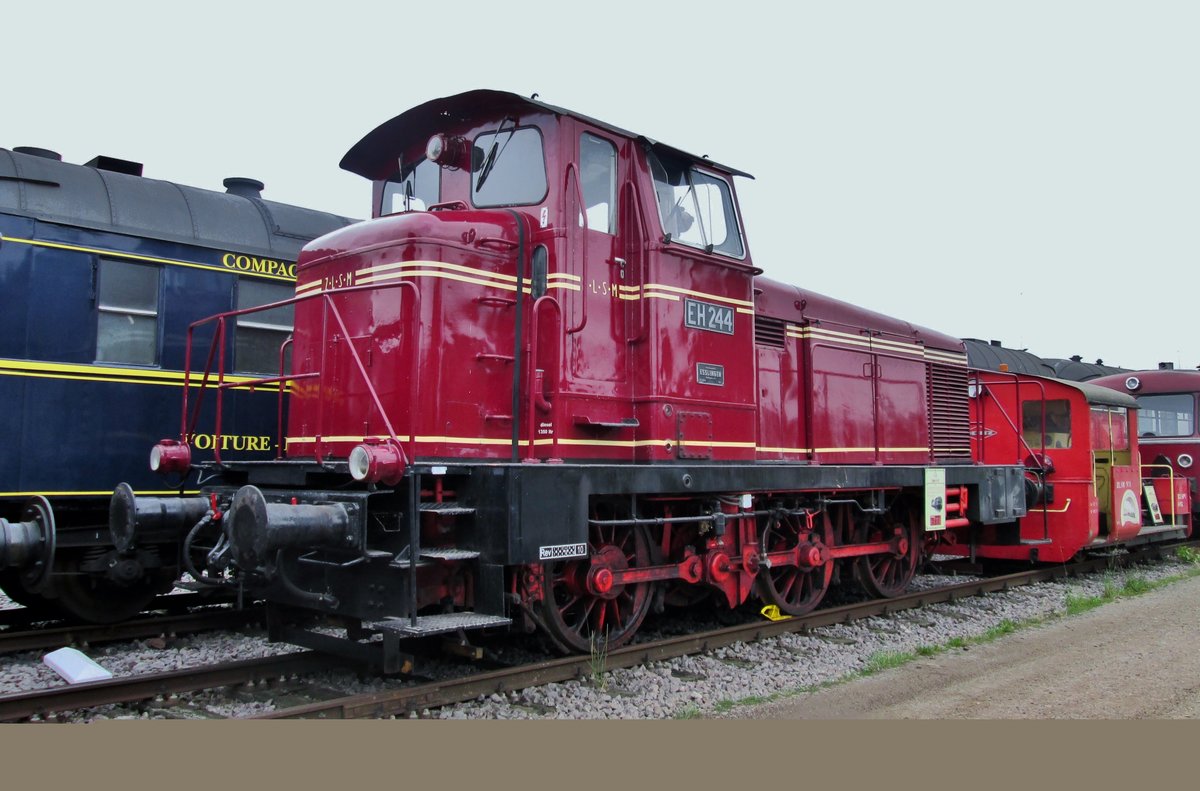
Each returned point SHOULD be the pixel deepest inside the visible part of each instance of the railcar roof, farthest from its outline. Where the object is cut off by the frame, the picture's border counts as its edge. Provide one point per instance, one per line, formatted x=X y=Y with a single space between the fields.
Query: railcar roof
x=1096 y=394
x=374 y=157
x=983 y=354
x=1081 y=371
x=105 y=200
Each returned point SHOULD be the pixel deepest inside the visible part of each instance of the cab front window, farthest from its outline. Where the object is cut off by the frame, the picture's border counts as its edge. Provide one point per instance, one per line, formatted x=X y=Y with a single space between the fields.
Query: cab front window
x=1168 y=415
x=417 y=190
x=508 y=167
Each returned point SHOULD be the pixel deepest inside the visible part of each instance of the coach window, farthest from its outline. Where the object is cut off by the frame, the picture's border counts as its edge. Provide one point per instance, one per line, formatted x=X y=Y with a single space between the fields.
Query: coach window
x=1057 y=421
x=1170 y=415
x=696 y=208
x=259 y=335
x=417 y=190
x=128 y=304
x=598 y=177
x=508 y=168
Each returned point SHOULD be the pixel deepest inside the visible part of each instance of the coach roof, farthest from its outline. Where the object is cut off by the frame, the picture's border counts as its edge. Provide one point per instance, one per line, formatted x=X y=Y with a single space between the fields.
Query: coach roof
x=102 y=198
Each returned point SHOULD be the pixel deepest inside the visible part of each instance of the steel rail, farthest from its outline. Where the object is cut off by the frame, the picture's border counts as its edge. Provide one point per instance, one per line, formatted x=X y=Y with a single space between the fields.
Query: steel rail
x=23 y=705
x=153 y=626
x=443 y=693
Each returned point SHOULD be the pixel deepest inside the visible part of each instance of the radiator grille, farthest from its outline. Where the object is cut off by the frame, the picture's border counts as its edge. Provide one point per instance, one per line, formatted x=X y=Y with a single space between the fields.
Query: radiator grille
x=770 y=332
x=949 y=413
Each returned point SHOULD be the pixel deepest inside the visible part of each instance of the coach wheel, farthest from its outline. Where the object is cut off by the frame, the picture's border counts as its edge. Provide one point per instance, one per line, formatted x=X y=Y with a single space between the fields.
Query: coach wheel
x=96 y=599
x=36 y=603
x=582 y=610
x=888 y=574
x=797 y=589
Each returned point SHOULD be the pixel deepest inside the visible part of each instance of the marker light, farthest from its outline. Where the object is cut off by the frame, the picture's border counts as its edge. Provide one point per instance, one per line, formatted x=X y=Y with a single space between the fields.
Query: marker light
x=377 y=464
x=1185 y=460
x=1133 y=383
x=170 y=456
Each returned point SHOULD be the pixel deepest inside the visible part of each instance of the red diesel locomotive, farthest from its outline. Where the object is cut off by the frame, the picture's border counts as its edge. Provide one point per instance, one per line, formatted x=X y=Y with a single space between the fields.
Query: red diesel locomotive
x=546 y=386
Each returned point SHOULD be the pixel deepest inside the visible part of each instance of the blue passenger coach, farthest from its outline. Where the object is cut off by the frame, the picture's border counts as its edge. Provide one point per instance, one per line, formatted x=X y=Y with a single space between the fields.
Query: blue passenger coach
x=101 y=272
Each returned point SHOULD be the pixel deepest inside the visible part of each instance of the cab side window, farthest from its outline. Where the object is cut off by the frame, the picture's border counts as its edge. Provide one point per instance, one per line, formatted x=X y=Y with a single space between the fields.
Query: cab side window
x=259 y=335
x=696 y=208
x=1057 y=422
x=598 y=182
x=127 y=299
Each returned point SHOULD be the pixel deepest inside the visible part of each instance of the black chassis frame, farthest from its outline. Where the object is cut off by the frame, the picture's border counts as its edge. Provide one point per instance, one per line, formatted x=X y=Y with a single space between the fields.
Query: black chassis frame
x=522 y=507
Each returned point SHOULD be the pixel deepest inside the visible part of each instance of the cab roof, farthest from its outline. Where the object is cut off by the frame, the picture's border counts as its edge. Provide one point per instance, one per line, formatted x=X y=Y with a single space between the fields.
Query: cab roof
x=374 y=157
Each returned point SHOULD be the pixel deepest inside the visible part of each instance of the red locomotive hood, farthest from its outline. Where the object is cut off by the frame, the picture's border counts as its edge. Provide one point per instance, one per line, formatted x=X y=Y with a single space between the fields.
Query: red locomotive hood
x=483 y=232
x=795 y=304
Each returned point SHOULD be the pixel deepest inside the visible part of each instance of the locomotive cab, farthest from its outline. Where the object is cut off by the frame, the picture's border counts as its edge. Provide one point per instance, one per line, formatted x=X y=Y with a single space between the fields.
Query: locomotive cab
x=635 y=306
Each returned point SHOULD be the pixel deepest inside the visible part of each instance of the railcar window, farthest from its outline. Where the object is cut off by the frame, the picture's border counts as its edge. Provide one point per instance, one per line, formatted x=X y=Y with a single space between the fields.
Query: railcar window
x=508 y=168
x=1170 y=415
x=419 y=189
x=1110 y=428
x=1057 y=422
x=696 y=208
x=598 y=177
x=259 y=335
x=128 y=307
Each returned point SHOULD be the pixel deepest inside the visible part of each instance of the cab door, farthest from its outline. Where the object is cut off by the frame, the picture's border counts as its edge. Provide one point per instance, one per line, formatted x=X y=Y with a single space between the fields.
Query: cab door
x=597 y=341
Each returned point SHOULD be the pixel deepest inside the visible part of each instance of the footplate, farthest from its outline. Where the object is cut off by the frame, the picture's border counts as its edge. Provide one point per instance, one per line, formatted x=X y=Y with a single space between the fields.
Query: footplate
x=427 y=625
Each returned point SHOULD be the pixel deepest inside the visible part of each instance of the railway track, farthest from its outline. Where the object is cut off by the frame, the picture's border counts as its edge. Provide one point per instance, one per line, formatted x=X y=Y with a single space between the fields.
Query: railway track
x=442 y=693
x=23 y=617
x=51 y=637
x=133 y=689
x=404 y=700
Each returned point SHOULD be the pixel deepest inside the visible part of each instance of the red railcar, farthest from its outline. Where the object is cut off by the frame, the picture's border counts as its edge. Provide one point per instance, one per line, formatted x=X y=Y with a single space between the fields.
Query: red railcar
x=1167 y=431
x=547 y=386
x=1087 y=487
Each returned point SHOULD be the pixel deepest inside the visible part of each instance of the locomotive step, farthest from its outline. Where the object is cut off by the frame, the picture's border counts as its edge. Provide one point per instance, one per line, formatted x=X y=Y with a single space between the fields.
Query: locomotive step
x=427 y=625
x=449 y=553
x=446 y=509
x=426 y=554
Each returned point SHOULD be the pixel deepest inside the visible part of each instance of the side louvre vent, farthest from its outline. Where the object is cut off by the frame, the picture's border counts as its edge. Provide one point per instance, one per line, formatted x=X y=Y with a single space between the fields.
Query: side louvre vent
x=949 y=413
x=770 y=332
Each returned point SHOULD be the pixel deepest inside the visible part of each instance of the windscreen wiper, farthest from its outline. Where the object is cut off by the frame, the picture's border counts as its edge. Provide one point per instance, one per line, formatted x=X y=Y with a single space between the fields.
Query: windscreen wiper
x=493 y=153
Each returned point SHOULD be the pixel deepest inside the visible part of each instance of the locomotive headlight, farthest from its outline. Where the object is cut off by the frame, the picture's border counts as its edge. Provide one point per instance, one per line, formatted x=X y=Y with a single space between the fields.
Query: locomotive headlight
x=377 y=464
x=446 y=150
x=1185 y=460
x=170 y=456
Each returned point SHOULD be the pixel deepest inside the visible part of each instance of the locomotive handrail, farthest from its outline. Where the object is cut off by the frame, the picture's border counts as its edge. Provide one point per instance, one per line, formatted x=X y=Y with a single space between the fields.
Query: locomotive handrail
x=217 y=349
x=573 y=178
x=537 y=398
x=985 y=389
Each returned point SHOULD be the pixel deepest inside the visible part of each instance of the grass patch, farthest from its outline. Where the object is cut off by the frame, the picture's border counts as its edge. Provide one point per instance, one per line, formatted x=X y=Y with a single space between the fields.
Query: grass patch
x=1076 y=603
x=691 y=712
x=885 y=660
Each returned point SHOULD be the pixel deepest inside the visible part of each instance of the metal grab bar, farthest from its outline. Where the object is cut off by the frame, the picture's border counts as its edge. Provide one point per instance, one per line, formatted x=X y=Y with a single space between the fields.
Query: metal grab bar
x=537 y=398
x=1170 y=476
x=573 y=178
x=217 y=349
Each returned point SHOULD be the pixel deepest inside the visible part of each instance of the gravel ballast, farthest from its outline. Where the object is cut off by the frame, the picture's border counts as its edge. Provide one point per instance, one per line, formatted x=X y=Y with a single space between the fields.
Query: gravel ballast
x=712 y=685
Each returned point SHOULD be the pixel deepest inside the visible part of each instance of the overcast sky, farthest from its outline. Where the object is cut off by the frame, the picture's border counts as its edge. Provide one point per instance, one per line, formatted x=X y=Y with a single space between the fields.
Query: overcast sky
x=1021 y=171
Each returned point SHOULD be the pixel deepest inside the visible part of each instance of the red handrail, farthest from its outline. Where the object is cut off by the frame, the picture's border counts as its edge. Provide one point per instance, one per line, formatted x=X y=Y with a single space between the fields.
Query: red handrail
x=188 y=427
x=537 y=398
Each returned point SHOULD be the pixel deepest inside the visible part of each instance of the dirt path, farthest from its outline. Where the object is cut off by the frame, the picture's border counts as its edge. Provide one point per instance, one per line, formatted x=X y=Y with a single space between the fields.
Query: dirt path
x=1133 y=658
